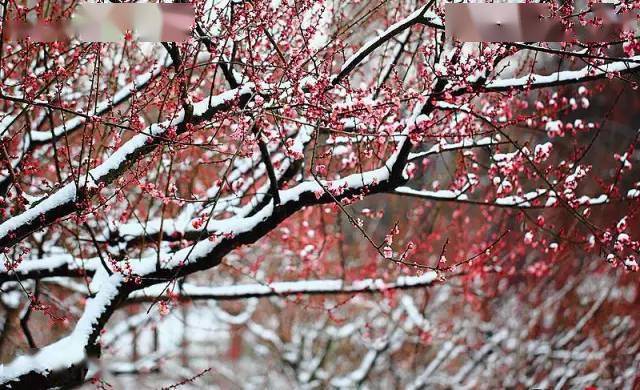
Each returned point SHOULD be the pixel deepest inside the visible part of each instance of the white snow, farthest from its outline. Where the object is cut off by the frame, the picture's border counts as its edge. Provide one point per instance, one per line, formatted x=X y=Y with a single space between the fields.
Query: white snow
x=306 y=286
x=439 y=194
x=385 y=35
x=200 y=107
x=464 y=144
x=5 y=122
x=68 y=192
x=603 y=198
x=120 y=96
x=65 y=194
x=521 y=201
x=568 y=75
x=49 y=263
x=69 y=350
x=553 y=127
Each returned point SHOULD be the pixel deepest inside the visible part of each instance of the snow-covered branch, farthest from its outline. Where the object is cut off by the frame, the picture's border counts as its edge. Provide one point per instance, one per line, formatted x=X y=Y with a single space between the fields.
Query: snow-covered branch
x=587 y=73
x=282 y=289
x=67 y=199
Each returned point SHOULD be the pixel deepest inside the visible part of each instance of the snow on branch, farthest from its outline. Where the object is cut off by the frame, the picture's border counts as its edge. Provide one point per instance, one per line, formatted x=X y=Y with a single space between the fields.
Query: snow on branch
x=588 y=73
x=418 y=16
x=65 y=200
x=523 y=201
x=283 y=289
x=61 y=264
x=63 y=362
x=467 y=143
x=122 y=95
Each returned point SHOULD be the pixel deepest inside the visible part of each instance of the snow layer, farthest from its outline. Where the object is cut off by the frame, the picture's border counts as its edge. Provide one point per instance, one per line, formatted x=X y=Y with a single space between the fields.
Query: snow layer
x=70 y=350
x=564 y=76
x=306 y=286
